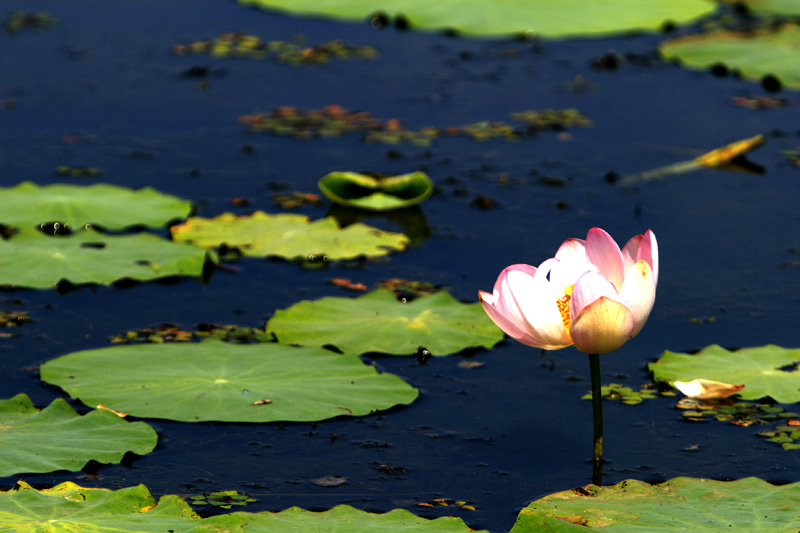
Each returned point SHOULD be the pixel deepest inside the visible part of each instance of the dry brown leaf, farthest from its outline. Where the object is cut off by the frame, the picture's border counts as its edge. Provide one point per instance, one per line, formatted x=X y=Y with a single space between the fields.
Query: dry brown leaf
x=725 y=154
x=706 y=389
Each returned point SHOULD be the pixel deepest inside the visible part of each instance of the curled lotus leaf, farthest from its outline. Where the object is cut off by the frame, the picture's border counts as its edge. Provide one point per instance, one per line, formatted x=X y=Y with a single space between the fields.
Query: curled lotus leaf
x=376 y=193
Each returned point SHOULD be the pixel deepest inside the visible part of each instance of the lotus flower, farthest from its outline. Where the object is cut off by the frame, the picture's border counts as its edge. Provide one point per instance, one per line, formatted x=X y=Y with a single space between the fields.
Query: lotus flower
x=591 y=294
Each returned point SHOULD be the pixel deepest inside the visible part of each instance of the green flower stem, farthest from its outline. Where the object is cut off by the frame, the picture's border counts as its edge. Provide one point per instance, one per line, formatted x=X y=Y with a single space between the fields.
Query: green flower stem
x=597 y=413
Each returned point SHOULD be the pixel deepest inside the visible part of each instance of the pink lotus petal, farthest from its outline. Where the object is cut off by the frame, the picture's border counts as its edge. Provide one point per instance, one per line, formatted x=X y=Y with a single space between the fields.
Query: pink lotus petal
x=571 y=249
x=537 y=301
x=648 y=251
x=503 y=321
x=603 y=252
x=602 y=326
x=590 y=286
x=639 y=292
x=630 y=252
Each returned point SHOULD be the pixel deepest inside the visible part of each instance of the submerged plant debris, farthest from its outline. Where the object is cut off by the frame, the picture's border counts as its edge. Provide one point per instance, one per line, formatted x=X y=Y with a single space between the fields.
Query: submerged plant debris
x=20 y=20
x=173 y=333
x=335 y=121
x=786 y=431
x=629 y=396
x=224 y=499
x=297 y=52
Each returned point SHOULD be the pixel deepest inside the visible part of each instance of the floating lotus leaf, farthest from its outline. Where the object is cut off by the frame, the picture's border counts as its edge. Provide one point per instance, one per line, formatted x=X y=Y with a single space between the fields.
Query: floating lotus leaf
x=378 y=322
x=108 y=206
x=69 y=507
x=28 y=444
x=289 y=235
x=376 y=193
x=32 y=259
x=215 y=380
x=765 y=370
x=755 y=54
x=544 y=18
x=783 y=7
x=680 y=504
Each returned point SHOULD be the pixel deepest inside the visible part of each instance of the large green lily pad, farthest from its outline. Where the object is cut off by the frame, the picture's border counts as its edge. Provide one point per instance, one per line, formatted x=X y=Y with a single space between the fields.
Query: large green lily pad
x=69 y=507
x=215 y=380
x=755 y=54
x=544 y=18
x=108 y=206
x=680 y=504
x=289 y=235
x=378 y=322
x=32 y=259
x=376 y=193
x=58 y=438
x=765 y=370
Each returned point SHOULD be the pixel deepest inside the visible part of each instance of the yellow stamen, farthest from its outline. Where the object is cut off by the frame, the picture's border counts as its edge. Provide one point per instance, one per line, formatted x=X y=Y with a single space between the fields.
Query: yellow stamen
x=563 y=306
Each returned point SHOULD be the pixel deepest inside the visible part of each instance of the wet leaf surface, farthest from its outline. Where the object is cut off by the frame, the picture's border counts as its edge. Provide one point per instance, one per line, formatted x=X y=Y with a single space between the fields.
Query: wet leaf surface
x=213 y=380
x=758 y=55
x=288 y=235
x=765 y=370
x=33 y=259
x=700 y=505
x=378 y=322
x=501 y=17
x=108 y=206
x=134 y=509
x=26 y=437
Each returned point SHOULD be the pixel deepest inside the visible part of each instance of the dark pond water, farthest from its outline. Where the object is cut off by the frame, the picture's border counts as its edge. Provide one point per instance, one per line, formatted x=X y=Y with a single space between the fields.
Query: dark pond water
x=103 y=85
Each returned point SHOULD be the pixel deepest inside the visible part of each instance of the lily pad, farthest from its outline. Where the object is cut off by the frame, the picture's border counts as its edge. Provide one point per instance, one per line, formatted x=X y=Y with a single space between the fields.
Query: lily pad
x=378 y=322
x=479 y=18
x=108 y=206
x=215 y=380
x=680 y=504
x=289 y=235
x=376 y=193
x=765 y=370
x=32 y=259
x=755 y=54
x=26 y=437
x=70 y=507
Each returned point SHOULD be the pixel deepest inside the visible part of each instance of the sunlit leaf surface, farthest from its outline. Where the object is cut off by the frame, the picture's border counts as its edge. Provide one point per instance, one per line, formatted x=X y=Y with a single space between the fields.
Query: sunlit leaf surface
x=680 y=504
x=755 y=54
x=378 y=322
x=543 y=18
x=109 y=206
x=765 y=370
x=288 y=235
x=32 y=259
x=29 y=444
x=215 y=380
x=69 y=507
